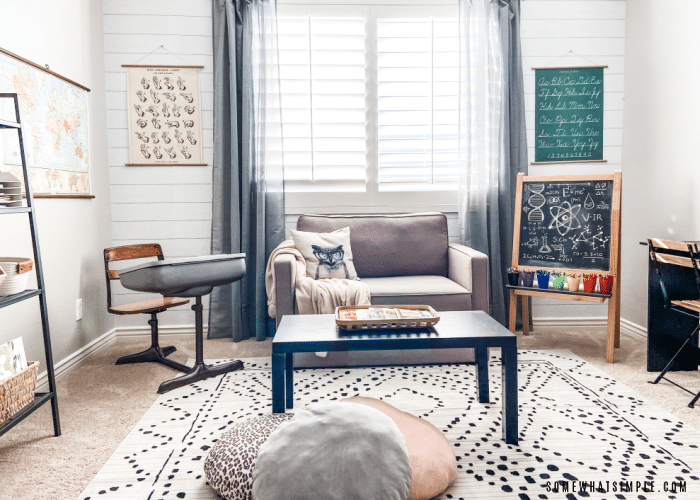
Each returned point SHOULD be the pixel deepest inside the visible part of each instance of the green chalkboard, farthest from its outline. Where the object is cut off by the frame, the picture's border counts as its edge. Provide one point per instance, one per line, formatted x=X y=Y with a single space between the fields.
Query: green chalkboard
x=568 y=114
x=566 y=223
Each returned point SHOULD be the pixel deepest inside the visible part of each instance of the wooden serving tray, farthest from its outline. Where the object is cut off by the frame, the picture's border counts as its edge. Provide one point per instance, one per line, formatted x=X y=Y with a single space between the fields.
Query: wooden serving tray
x=376 y=317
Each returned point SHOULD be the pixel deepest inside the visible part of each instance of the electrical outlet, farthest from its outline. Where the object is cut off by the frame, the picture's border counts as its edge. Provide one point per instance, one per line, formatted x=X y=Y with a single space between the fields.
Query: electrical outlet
x=78 y=309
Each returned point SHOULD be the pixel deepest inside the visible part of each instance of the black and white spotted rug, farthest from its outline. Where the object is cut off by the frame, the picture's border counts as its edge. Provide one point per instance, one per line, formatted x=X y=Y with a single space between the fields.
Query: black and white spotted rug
x=579 y=430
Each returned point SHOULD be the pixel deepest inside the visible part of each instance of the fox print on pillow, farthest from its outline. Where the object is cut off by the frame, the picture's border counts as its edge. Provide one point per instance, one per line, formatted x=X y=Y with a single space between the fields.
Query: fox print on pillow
x=327 y=255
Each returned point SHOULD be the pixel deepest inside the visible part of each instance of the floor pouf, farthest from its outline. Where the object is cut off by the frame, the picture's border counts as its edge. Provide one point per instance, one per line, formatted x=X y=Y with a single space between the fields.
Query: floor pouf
x=433 y=461
x=231 y=461
x=334 y=451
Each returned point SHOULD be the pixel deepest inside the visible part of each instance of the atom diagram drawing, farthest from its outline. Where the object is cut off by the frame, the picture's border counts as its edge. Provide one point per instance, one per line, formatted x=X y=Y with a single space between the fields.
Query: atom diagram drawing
x=564 y=217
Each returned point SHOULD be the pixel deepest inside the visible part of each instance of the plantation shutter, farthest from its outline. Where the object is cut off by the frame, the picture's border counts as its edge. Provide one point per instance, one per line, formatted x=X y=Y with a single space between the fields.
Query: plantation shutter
x=322 y=68
x=417 y=94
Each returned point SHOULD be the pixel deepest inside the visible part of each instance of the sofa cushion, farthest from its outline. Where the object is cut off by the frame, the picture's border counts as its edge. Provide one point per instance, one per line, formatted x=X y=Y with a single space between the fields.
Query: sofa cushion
x=441 y=293
x=390 y=245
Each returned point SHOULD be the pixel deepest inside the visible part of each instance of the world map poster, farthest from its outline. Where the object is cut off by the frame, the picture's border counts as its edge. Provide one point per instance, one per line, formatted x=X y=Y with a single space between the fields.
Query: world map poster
x=54 y=118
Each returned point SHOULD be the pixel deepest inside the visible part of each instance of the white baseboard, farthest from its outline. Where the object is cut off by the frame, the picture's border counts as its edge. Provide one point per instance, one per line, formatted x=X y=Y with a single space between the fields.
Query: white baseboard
x=145 y=331
x=584 y=321
x=61 y=367
x=42 y=380
x=625 y=325
x=633 y=328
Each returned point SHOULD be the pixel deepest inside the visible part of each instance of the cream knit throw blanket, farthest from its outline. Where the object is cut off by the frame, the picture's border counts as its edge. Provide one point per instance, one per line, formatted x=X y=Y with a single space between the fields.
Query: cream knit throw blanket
x=314 y=296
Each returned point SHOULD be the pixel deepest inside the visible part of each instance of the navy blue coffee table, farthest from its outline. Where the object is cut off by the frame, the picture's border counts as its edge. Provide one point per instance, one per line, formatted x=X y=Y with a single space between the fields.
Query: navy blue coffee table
x=456 y=329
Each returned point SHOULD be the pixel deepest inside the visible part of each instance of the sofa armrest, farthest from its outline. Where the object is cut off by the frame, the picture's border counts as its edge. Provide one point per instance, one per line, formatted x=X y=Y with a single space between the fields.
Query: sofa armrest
x=470 y=269
x=285 y=285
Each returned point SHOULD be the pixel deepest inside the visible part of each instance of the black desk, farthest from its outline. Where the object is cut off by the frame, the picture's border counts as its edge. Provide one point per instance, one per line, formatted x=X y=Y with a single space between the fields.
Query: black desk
x=667 y=330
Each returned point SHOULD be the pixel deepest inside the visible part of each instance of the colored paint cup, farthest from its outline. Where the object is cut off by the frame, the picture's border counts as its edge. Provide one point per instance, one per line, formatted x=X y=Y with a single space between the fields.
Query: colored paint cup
x=513 y=278
x=543 y=279
x=606 y=284
x=528 y=277
x=558 y=280
x=589 y=282
x=574 y=282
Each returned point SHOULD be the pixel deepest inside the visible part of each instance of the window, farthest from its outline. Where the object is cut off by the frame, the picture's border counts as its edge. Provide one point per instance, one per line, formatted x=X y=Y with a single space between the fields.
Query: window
x=369 y=106
x=417 y=109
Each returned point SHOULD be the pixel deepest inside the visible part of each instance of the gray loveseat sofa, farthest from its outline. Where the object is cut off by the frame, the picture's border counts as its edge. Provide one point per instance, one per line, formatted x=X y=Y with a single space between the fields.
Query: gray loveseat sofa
x=404 y=259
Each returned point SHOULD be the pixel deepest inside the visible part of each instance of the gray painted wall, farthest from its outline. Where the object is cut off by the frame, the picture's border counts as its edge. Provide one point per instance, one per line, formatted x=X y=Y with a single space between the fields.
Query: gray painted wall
x=661 y=185
x=67 y=35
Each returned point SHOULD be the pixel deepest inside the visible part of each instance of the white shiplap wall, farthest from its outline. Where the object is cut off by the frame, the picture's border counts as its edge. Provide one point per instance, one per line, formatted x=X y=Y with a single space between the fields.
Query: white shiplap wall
x=569 y=33
x=172 y=205
x=168 y=205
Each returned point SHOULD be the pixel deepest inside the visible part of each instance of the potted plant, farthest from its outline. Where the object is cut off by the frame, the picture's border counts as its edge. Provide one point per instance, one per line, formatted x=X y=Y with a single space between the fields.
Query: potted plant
x=574 y=280
x=606 y=283
x=589 y=282
x=528 y=277
x=513 y=276
x=558 y=280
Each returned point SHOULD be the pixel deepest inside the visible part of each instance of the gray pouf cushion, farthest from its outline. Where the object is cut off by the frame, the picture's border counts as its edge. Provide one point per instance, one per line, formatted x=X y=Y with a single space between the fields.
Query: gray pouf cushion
x=334 y=451
x=231 y=461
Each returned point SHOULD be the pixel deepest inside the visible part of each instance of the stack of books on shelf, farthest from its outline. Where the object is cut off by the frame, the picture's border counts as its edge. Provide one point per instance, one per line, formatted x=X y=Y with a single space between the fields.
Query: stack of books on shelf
x=10 y=191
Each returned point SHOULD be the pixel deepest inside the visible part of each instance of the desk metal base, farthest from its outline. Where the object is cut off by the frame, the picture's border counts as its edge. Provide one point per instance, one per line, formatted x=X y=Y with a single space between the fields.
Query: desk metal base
x=199 y=371
x=155 y=353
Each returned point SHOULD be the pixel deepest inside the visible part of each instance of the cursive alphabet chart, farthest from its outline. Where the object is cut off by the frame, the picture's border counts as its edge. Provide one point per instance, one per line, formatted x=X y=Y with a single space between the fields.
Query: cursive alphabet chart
x=569 y=114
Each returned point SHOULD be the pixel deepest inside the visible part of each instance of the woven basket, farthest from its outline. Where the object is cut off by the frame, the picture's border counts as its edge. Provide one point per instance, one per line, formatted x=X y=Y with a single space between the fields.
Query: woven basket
x=18 y=391
x=15 y=281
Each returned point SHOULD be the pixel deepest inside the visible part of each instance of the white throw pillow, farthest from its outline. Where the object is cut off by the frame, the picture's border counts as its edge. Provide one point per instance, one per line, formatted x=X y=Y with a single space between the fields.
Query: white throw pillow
x=327 y=255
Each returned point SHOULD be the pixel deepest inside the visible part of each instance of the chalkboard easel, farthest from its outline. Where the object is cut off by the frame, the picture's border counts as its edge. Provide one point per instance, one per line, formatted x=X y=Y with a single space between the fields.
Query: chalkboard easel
x=569 y=223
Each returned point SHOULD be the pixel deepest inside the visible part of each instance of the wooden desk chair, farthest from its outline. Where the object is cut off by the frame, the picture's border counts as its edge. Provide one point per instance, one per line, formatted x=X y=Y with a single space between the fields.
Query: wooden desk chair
x=154 y=353
x=659 y=253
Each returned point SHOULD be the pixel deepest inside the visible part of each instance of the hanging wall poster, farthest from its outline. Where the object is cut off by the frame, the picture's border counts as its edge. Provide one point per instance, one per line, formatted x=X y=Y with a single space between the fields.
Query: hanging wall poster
x=569 y=114
x=54 y=117
x=165 y=117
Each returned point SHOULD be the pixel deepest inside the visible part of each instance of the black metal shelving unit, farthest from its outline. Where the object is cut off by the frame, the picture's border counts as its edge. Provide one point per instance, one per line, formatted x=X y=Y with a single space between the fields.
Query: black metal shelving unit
x=39 y=397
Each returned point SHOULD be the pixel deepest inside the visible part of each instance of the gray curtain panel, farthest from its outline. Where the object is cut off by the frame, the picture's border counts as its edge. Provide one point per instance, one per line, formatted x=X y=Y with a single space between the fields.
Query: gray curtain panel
x=493 y=148
x=248 y=180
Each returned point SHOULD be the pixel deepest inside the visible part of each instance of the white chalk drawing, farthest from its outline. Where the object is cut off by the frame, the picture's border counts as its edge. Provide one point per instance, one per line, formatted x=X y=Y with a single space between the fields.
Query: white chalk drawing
x=567 y=224
x=560 y=249
x=569 y=184
x=596 y=241
x=533 y=242
x=564 y=217
x=536 y=201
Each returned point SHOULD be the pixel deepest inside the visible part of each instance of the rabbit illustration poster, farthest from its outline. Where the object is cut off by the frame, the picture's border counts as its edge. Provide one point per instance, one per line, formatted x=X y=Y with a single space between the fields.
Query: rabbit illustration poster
x=165 y=117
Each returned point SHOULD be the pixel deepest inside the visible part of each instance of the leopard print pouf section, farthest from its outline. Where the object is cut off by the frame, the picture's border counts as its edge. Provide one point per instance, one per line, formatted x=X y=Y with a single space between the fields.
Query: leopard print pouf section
x=231 y=461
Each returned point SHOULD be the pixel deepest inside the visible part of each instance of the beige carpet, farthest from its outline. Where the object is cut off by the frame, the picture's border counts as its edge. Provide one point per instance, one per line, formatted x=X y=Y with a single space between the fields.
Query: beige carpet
x=100 y=403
